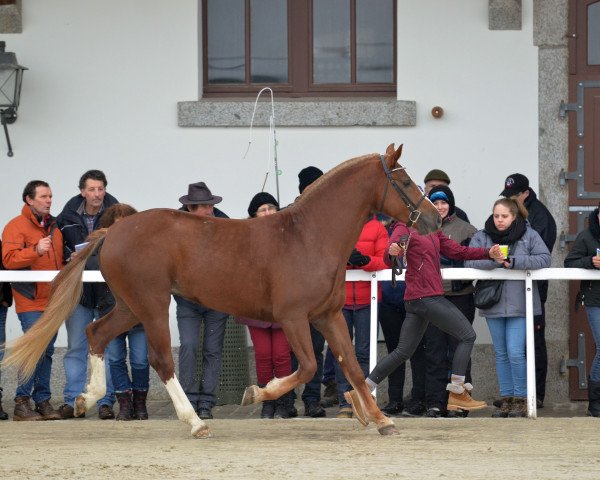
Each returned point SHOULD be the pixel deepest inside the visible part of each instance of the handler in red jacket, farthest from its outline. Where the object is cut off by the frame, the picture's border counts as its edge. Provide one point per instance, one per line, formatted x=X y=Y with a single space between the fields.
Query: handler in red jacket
x=368 y=256
x=425 y=302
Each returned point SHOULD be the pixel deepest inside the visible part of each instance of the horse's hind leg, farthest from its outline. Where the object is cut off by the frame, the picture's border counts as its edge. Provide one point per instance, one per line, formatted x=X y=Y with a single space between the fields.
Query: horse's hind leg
x=99 y=333
x=335 y=331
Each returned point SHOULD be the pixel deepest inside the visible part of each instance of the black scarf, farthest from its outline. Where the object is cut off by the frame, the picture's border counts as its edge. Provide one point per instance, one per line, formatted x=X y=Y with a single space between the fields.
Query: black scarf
x=509 y=236
x=594 y=226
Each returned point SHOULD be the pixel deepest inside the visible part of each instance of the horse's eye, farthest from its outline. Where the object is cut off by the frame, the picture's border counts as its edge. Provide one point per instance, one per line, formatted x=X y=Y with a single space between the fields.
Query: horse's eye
x=406 y=183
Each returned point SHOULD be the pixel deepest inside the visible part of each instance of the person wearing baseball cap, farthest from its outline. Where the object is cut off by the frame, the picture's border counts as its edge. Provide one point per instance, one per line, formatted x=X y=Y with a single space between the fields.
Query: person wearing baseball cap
x=541 y=220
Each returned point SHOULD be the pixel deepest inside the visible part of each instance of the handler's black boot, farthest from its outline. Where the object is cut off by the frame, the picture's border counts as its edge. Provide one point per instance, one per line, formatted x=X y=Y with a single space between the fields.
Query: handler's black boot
x=125 y=405
x=594 y=399
x=140 y=412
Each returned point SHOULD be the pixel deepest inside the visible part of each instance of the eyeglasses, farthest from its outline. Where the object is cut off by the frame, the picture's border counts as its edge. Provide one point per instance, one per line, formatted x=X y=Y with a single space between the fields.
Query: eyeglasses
x=266 y=208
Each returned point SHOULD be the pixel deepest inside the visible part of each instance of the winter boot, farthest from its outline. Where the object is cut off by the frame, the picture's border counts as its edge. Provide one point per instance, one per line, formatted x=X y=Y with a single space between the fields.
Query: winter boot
x=284 y=406
x=518 y=408
x=140 y=412
x=460 y=398
x=330 y=394
x=23 y=411
x=504 y=409
x=47 y=411
x=3 y=414
x=125 y=405
x=594 y=398
x=268 y=409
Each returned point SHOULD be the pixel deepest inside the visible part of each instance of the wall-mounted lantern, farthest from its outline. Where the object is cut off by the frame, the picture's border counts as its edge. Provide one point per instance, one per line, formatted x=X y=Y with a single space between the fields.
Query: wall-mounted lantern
x=11 y=77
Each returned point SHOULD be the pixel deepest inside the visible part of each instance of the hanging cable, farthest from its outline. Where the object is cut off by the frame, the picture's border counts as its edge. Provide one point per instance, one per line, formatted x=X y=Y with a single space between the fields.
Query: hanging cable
x=272 y=138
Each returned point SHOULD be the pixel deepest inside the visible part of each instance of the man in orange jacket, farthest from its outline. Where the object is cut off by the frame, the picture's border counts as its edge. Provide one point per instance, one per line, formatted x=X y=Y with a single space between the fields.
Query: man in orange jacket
x=31 y=241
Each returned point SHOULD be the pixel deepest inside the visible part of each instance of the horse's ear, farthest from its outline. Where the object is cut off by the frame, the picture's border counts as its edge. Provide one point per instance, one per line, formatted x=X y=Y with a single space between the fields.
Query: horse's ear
x=393 y=154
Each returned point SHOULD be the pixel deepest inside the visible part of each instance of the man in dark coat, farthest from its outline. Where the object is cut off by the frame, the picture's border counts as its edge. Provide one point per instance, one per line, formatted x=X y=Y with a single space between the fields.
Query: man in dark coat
x=79 y=218
x=201 y=392
x=542 y=221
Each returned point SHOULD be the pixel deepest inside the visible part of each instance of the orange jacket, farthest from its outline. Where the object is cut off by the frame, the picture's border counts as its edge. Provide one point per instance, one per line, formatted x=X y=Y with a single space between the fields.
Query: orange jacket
x=19 y=241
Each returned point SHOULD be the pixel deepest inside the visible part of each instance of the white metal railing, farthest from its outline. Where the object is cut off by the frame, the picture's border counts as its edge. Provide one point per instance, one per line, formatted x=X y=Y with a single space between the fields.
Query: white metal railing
x=528 y=276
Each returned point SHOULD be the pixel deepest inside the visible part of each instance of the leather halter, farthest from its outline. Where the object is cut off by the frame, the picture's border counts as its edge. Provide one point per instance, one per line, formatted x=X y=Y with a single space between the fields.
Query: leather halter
x=415 y=213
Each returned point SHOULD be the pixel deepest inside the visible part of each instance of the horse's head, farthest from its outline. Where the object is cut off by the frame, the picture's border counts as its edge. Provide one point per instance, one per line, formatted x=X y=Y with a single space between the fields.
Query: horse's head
x=402 y=199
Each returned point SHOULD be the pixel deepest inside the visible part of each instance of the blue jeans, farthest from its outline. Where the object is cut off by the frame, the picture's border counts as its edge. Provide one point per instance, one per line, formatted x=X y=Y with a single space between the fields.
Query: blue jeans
x=76 y=358
x=328 y=367
x=38 y=386
x=359 y=327
x=594 y=319
x=3 y=311
x=138 y=359
x=508 y=336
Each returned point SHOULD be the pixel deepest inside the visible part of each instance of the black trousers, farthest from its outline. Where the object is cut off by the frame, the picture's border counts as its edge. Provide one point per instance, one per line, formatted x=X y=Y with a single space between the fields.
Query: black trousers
x=440 y=312
x=391 y=318
x=541 y=354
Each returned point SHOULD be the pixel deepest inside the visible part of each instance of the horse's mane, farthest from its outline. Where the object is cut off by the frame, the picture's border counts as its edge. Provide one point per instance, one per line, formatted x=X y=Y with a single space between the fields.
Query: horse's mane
x=322 y=182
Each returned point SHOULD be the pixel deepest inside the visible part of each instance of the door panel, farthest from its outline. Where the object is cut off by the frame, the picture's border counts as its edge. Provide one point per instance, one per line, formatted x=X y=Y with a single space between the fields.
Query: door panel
x=584 y=166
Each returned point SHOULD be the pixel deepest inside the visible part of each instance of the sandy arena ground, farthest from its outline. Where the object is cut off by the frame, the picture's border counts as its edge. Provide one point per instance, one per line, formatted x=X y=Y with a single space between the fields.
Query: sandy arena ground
x=472 y=448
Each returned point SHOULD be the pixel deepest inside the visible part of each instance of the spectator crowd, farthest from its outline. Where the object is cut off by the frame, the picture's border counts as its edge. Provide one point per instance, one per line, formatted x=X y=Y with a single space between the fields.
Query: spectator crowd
x=424 y=320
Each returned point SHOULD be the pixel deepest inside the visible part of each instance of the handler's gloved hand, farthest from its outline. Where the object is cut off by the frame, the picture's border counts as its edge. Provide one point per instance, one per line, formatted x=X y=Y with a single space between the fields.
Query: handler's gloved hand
x=357 y=259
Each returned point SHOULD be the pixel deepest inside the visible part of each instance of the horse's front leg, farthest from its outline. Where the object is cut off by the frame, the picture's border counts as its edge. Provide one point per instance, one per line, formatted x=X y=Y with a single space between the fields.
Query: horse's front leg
x=297 y=331
x=335 y=331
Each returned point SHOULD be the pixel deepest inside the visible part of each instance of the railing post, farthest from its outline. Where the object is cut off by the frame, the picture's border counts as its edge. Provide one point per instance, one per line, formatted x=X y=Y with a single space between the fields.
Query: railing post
x=530 y=348
x=374 y=325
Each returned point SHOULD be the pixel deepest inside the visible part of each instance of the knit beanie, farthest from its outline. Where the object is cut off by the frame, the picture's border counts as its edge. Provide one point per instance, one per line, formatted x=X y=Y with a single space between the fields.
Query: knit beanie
x=442 y=192
x=260 y=199
x=437 y=174
x=307 y=176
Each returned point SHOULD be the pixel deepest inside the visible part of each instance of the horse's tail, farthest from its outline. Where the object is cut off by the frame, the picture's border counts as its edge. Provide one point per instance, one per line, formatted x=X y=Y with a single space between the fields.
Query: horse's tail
x=65 y=294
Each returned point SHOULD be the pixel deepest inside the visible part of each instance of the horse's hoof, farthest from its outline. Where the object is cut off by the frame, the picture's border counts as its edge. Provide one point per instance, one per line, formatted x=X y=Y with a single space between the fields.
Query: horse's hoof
x=79 y=406
x=202 y=432
x=389 y=430
x=250 y=395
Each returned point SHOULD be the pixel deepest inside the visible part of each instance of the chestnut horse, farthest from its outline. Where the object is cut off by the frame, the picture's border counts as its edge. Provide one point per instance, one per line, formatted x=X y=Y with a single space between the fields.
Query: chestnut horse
x=287 y=268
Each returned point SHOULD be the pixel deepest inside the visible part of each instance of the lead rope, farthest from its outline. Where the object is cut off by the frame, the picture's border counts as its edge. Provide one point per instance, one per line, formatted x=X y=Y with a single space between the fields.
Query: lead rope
x=398 y=267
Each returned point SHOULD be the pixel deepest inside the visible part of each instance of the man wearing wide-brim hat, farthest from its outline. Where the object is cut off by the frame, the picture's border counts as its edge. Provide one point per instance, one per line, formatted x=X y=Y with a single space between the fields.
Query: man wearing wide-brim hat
x=201 y=392
x=201 y=201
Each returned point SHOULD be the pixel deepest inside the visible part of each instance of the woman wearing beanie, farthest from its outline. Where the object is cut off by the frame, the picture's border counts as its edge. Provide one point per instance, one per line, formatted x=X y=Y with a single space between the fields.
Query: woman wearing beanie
x=507 y=319
x=425 y=303
x=584 y=254
x=271 y=348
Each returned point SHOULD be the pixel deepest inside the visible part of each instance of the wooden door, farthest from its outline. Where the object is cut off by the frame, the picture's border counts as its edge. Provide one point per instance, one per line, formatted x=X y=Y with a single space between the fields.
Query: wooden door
x=583 y=176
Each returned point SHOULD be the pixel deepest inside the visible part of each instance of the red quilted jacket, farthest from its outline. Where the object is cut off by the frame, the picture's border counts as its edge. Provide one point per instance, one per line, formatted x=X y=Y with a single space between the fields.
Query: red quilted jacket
x=373 y=242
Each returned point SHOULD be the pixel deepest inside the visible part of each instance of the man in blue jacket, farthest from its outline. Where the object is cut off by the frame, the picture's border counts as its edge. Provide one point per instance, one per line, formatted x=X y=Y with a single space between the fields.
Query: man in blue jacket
x=79 y=218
